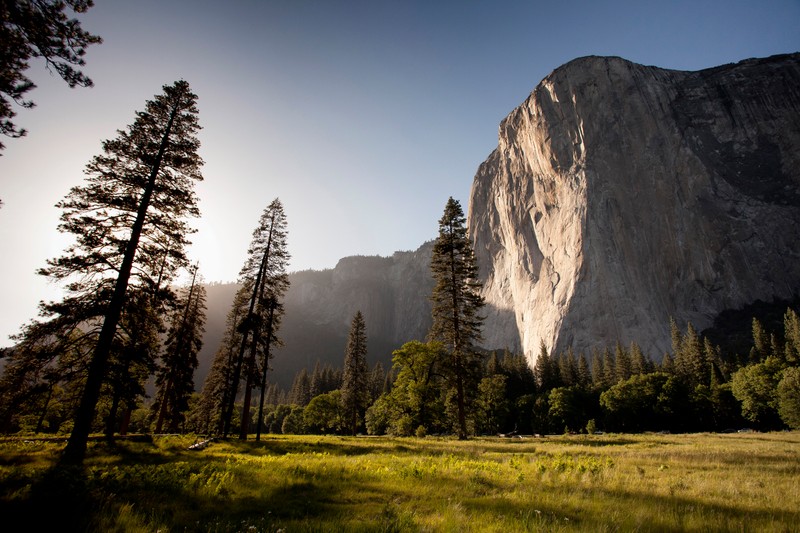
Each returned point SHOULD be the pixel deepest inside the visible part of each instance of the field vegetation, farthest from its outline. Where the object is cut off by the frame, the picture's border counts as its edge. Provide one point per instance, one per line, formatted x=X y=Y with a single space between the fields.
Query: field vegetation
x=647 y=482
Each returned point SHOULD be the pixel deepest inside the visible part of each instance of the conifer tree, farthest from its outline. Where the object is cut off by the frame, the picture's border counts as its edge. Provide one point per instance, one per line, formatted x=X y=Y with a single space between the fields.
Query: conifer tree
x=301 y=388
x=609 y=369
x=316 y=380
x=761 y=346
x=456 y=303
x=264 y=271
x=39 y=29
x=216 y=390
x=584 y=374
x=622 y=361
x=175 y=378
x=543 y=369
x=376 y=379
x=791 y=329
x=137 y=195
x=355 y=385
x=639 y=363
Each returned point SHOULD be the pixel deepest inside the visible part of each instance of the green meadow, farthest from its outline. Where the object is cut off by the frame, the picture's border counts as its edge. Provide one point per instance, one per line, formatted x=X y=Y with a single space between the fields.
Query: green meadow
x=651 y=482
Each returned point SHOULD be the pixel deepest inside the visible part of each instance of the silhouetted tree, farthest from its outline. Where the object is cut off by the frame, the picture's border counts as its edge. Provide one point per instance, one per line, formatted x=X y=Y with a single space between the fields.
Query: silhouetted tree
x=38 y=29
x=456 y=302
x=219 y=381
x=175 y=377
x=136 y=197
x=264 y=272
x=274 y=286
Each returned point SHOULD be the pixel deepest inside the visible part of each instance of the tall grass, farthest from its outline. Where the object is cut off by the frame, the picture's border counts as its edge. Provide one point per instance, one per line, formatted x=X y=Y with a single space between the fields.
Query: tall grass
x=737 y=482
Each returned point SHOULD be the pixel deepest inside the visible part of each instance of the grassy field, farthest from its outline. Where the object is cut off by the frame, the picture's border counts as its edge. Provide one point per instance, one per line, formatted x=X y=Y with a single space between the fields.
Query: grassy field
x=704 y=482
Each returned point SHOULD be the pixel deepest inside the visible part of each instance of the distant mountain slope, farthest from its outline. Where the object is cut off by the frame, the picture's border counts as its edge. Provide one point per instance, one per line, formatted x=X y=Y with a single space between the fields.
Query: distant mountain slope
x=391 y=292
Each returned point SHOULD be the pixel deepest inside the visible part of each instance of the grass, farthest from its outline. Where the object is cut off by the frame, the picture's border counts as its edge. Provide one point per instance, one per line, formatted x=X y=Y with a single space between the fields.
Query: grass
x=703 y=482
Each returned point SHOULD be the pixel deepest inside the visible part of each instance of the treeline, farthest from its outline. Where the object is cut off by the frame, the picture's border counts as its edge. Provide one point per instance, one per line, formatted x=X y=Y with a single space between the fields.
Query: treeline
x=693 y=388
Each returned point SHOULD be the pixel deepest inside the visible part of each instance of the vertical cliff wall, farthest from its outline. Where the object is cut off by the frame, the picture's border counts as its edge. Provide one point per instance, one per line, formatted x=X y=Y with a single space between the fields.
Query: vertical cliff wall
x=622 y=195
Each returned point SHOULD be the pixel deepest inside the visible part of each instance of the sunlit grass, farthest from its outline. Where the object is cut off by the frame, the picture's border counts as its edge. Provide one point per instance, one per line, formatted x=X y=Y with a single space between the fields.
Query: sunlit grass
x=736 y=482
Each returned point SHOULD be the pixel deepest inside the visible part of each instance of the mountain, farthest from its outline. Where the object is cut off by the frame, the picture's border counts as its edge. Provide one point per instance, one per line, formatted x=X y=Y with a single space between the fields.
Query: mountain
x=621 y=195
x=391 y=292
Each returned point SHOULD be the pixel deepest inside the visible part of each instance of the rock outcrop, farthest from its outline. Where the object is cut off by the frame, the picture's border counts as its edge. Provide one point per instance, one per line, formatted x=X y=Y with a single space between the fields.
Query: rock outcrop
x=621 y=195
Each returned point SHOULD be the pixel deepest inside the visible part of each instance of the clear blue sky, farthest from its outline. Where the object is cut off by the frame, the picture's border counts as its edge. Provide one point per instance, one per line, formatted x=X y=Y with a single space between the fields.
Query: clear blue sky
x=363 y=117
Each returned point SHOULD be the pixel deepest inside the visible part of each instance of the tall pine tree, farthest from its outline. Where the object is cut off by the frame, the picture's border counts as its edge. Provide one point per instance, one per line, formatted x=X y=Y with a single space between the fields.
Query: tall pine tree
x=355 y=384
x=456 y=303
x=137 y=196
x=264 y=272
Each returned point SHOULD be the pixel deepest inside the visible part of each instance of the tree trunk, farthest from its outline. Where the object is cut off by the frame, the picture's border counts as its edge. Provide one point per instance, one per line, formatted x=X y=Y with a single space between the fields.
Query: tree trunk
x=126 y=421
x=248 y=396
x=40 y=422
x=240 y=359
x=162 y=408
x=75 y=450
x=264 y=372
x=257 y=294
x=111 y=419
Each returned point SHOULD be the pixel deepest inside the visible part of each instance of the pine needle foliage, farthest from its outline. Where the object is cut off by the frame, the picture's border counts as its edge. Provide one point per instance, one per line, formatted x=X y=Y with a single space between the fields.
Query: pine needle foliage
x=38 y=29
x=456 y=302
x=355 y=386
x=129 y=225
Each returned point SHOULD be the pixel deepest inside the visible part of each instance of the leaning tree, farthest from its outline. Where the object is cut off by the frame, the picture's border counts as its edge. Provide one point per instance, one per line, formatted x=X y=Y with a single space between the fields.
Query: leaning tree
x=456 y=302
x=264 y=273
x=128 y=221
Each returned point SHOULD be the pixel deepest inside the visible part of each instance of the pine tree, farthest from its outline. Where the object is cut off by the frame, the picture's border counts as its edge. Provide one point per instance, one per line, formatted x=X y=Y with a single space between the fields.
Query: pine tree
x=316 y=380
x=219 y=381
x=639 y=363
x=692 y=364
x=761 y=347
x=456 y=302
x=264 y=272
x=175 y=379
x=623 y=364
x=543 y=369
x=136 y=197
x=132 y=358
x=377 y=377
x=584 y=374
x=609 y=369
x=791 y=328
x=355 y=385
x=301 y=388
x=38 y=29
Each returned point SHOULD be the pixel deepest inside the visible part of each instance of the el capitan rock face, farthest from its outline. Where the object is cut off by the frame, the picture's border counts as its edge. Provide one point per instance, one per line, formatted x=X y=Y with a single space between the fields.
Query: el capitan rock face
x=622 y=195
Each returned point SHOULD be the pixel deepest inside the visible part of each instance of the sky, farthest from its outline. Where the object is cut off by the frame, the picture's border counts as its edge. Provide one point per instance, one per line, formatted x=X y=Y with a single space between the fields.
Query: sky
x=363 y=117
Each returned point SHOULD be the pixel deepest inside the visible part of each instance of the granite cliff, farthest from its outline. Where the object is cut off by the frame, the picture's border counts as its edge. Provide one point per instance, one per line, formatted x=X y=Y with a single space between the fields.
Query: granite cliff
x=621 y=195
